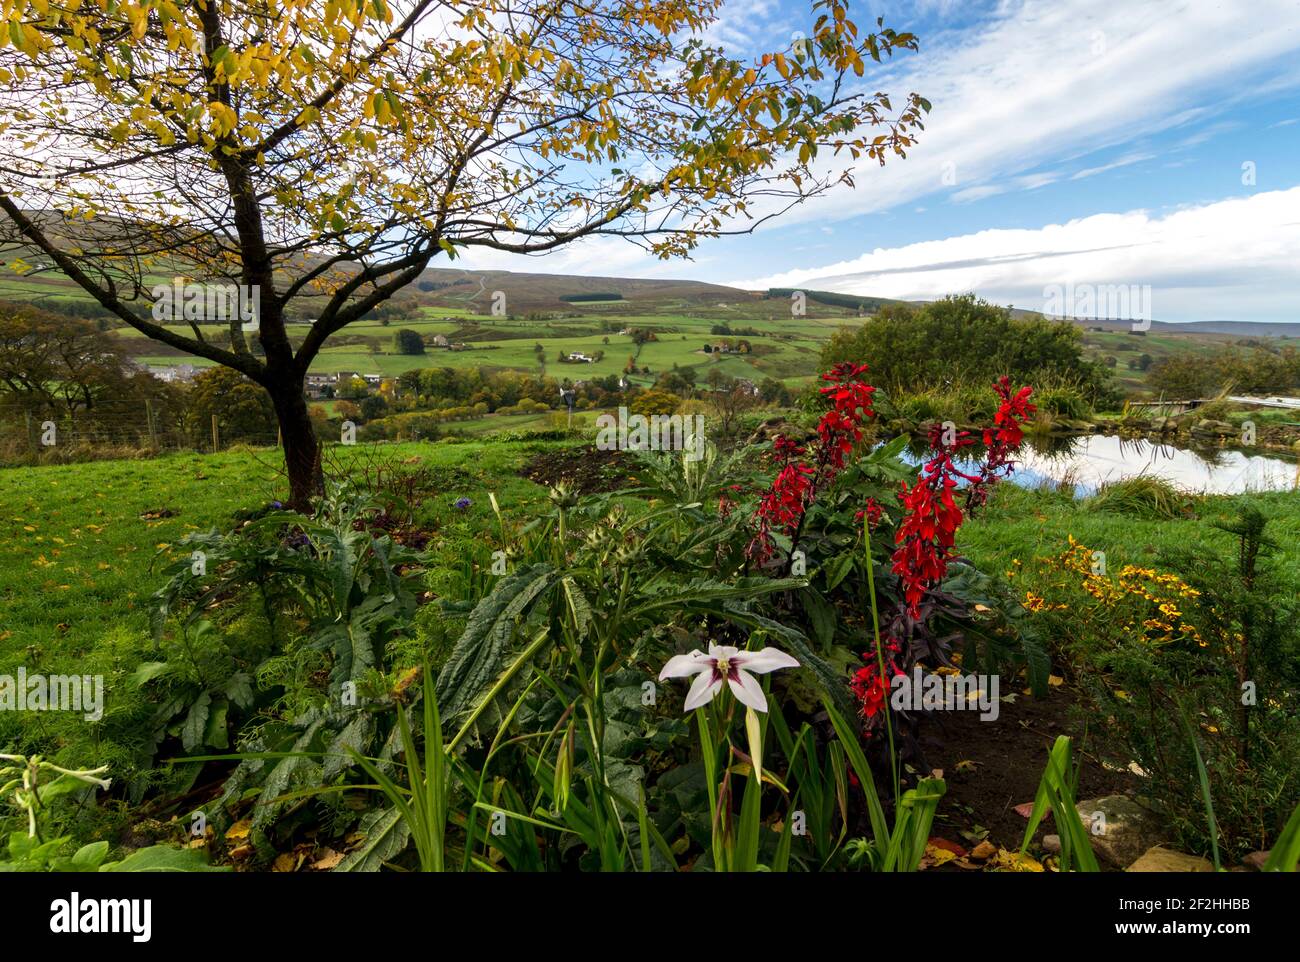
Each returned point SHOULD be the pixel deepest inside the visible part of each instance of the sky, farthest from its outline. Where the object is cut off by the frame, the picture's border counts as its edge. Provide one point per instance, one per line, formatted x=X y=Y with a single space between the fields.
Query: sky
x=1073 y=146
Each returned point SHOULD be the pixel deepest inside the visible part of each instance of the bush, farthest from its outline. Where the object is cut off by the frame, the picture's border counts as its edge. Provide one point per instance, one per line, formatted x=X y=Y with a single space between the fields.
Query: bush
x=1143 y=496
x=965 y=341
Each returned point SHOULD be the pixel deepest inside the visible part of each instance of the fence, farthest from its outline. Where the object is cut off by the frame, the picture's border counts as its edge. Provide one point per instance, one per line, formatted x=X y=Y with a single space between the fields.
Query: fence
x=36 y=437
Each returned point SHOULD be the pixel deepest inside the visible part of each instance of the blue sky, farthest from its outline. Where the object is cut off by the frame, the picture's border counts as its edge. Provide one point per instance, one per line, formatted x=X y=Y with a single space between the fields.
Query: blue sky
x=1151 y=143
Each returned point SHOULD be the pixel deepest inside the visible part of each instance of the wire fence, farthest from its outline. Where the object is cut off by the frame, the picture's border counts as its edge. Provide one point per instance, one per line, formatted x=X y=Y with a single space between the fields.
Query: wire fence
x=41 y=437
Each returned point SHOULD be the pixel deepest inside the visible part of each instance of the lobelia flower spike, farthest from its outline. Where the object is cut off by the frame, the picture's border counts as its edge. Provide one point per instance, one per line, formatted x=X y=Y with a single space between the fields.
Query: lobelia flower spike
x=724 y=663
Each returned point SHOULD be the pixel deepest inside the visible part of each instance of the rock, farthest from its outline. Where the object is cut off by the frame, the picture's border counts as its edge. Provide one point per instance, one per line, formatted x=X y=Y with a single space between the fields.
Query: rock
x=1052 y=844
x=1160 y=859
x=779 y=426
x=1168 y=426
x=1127 y=830
x=1256 y=860
x=1218 y=428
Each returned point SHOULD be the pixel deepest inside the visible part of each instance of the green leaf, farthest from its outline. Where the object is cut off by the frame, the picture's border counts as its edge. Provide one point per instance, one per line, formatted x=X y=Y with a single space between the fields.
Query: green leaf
x=163 y=858
x=215 y=733
x=837 y=569
x=1285 y=855
x=88 y=858
x=386 y=835
x=196 y=722
x=821 y=614
x=146 y=673
x=479 y=654
x=239 y=689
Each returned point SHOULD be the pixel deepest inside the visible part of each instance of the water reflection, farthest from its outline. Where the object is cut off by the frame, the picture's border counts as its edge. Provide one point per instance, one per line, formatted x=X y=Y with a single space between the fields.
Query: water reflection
x=1091 y=460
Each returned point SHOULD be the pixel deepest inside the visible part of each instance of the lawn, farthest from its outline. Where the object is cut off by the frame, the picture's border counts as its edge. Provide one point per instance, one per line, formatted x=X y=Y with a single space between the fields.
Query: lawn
x=81 y=545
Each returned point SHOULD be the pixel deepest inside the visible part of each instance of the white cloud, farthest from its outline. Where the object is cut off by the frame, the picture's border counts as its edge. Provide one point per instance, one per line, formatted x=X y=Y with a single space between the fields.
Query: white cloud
x=1051 y=82
x=1233 y=259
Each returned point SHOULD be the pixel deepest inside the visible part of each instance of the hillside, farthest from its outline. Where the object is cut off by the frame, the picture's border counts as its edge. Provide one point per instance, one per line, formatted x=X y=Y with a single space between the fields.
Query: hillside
x=528 y=321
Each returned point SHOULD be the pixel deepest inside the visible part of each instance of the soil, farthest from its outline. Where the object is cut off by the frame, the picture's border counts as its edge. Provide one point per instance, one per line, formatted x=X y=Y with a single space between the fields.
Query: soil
x=1009 y=756
x=586 y=470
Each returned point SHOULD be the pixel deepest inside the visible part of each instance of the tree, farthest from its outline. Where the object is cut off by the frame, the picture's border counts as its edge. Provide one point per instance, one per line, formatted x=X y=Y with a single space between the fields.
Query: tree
x=652 y=402
x=407 y=341
x=964 y=341
x=333 y=150
x=243 y=410
x=67 y=367
x=729 y=398
x=372 y=407
x=772 y=391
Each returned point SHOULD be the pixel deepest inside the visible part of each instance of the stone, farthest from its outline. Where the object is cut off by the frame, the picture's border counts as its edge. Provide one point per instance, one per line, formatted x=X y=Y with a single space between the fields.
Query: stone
x=1052 y=844
x=1127 y=830
x=1256 y=860
x=1160 y=859
x=1207 y=426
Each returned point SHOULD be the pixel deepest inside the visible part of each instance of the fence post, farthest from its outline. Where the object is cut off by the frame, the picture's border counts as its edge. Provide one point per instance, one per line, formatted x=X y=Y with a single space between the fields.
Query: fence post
x=148 y=418
x=216 y=436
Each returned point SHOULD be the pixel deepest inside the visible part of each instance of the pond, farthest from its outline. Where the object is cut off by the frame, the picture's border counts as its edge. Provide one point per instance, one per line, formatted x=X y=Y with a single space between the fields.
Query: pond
x=1089 y=461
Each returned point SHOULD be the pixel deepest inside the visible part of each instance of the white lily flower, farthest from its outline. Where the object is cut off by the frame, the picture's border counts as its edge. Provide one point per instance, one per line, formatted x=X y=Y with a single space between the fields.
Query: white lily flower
x=724 y=663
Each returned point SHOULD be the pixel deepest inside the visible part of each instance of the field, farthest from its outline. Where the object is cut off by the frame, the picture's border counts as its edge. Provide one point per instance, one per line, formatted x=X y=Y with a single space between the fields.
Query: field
x=1125 y=346
x=534 y=312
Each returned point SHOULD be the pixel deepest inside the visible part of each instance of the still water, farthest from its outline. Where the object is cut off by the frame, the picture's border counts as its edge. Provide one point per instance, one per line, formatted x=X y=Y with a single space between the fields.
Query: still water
x=1089 y=461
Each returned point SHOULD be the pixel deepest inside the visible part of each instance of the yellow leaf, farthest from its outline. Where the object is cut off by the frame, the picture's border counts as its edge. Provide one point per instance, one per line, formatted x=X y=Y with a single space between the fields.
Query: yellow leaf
x=1016 y=862
x=937 y=855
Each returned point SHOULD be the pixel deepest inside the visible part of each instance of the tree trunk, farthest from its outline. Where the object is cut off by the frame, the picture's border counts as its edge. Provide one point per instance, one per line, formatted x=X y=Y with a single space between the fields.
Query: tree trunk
x=301 y=448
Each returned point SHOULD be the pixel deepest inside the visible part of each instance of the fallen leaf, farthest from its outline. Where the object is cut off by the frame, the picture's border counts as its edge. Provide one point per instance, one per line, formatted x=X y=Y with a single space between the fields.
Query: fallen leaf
x=946 y=845
x=1026 y=809
x=284 y=862
x=983 y=850
x=936 y=856
x=328 y=860
x=1016 y=862
x=1056 y=681
x=238 y=830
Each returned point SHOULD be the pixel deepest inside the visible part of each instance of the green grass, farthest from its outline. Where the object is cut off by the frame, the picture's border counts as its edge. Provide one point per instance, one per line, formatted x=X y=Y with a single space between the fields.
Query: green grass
x=79 y=558
x=1023 y=524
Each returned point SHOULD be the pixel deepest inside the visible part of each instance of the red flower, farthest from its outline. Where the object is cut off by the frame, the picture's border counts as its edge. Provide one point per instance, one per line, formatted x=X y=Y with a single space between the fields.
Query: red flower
x=931 y=516
x=869 y=689
x=873 y=512
x=797 y=483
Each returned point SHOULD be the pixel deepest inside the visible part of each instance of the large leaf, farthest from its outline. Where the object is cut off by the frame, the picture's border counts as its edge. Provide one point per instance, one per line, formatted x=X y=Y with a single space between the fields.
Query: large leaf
x=663 y=592
x=278 y=781
x=196 y=722
x=163 y=858
x=821 y=615
x=479 y=654
x=386 y=835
